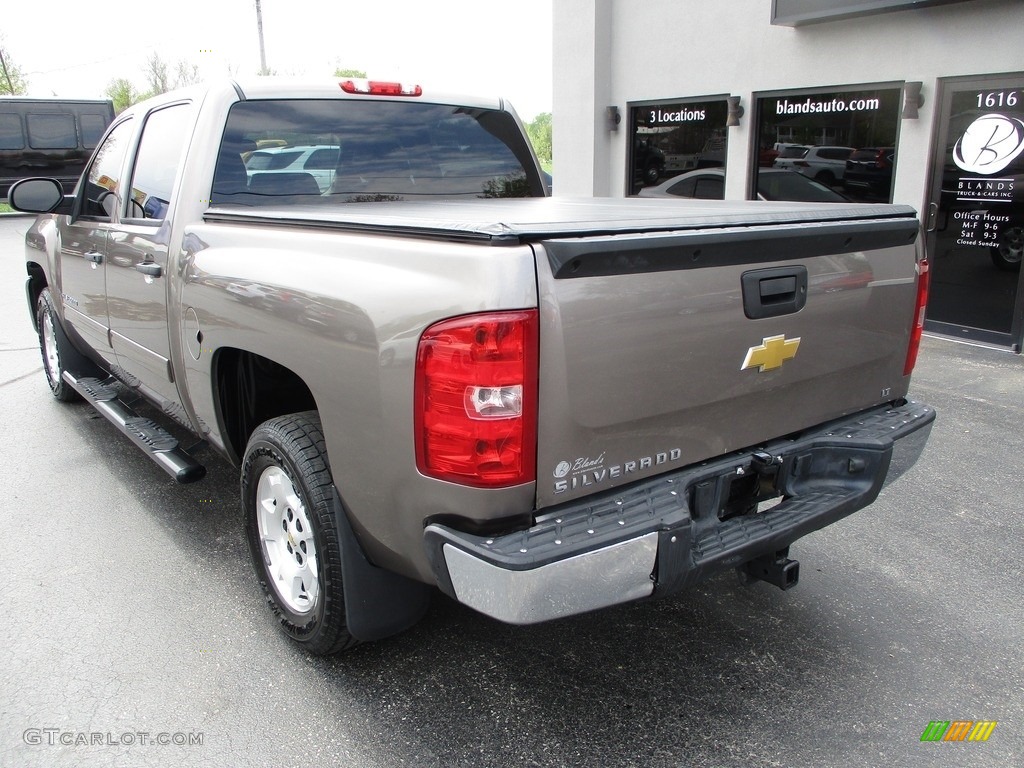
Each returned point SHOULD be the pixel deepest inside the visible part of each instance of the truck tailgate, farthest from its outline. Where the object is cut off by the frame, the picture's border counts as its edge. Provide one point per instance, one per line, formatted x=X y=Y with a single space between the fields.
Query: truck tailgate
x=661 y=350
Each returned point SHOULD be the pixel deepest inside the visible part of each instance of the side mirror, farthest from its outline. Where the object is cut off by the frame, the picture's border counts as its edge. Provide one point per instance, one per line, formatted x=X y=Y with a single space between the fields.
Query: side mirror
x=39 y=196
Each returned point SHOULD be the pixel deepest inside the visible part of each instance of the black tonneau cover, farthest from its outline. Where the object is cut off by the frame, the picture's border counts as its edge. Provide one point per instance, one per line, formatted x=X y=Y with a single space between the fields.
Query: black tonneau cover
x=517 y=220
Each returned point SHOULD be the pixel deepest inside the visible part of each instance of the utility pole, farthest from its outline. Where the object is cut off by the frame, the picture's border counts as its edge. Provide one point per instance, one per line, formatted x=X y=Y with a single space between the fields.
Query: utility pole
x=263 y=52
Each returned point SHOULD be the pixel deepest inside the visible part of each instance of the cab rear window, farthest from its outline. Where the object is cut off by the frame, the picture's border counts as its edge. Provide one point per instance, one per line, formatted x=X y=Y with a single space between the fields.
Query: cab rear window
x=346 y=150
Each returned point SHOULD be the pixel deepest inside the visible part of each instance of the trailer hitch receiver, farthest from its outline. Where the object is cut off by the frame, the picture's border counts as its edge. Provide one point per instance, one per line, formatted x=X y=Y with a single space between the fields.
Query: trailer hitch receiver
x=775 y=568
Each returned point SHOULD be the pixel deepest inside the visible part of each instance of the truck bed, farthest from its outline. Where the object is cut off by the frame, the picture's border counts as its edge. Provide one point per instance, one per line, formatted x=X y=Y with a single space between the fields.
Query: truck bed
x=651 y=309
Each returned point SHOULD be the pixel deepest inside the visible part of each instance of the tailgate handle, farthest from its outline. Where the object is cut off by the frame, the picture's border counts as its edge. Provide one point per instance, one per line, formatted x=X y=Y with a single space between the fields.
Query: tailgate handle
x=774 y=292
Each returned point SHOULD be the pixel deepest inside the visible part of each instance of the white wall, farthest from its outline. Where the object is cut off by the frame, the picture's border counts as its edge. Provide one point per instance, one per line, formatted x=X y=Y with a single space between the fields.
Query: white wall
x=611 y=52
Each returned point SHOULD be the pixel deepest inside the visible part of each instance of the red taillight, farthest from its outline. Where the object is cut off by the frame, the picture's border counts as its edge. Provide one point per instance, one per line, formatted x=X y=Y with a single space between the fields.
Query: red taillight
x=476 y=399
x=919 y=308
x=380 y=88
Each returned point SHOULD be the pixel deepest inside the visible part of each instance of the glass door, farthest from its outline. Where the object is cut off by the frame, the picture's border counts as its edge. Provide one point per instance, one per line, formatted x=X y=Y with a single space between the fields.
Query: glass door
x=976 y=214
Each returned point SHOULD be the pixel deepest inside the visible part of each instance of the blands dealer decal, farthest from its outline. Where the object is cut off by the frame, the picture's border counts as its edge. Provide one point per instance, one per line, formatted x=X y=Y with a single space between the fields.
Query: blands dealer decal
x=587 y=471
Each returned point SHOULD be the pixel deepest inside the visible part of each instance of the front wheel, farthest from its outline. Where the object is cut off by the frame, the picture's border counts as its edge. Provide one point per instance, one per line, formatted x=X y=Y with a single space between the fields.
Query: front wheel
x=291 y=531
x=54 y=347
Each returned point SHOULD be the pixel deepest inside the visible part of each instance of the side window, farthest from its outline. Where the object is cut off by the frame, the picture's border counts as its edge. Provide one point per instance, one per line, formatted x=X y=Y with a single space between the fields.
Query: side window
x=683 y=188
x=103 y=188
x=323 y=159
x=56 y=131
x=92 y=128
x=157 y=163
x=10 y=132
x=710 y=188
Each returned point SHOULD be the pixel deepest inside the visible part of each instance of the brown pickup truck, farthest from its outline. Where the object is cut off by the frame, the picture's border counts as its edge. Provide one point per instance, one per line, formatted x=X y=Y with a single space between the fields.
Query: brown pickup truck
x=433 y=376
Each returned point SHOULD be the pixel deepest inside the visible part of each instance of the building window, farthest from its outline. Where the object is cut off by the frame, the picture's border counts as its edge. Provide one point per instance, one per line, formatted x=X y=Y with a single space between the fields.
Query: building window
x=844 y=139
x=669 y=138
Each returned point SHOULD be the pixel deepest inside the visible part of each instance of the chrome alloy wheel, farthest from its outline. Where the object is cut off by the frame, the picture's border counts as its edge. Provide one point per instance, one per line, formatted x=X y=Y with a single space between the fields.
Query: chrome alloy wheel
x=1011 y=248
x=287 y=537
x=50 y=355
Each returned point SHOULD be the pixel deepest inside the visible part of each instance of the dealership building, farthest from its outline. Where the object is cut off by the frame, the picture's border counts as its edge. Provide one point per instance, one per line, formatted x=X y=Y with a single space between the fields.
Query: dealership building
x=915 y=102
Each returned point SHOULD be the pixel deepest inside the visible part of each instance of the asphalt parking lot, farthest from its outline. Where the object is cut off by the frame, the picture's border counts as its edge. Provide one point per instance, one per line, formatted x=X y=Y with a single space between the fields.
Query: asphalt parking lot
x=131 y=616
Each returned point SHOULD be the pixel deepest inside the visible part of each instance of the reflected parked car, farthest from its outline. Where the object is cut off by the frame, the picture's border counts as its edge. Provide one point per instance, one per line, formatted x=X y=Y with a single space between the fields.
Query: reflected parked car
x=648 y=161
x=772 y=184
x=321 y=161
x=826 y=165
x=870 y=170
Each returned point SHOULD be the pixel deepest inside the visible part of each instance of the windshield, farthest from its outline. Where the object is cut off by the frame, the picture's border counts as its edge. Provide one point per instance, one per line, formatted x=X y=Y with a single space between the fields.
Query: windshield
x=341 y=151
x=792 y=152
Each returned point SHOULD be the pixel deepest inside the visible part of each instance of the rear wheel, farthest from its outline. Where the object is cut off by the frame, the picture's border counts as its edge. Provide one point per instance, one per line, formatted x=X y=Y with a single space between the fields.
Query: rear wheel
x=54 y=347
x=291 y=531
x=1007 y=254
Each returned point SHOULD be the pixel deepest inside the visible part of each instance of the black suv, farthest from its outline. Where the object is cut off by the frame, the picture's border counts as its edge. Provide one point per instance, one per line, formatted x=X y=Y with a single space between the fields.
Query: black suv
x=869 y=170
x=48 y=137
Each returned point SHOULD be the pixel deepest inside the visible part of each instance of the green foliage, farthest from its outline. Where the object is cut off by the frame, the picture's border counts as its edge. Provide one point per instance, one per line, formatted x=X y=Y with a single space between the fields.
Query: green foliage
x=339 y=72
x=13 y=81
x=123 y=93
x=539 y=132
x=507 y=186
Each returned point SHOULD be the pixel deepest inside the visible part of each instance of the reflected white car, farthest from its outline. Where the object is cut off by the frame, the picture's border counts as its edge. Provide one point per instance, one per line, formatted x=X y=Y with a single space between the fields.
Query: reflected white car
x=823 y=164
x=320 y=161
x=772 y=184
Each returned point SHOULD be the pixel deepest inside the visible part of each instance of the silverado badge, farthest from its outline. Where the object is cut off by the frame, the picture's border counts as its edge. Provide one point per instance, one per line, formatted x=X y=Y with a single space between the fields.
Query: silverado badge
x=771 y=353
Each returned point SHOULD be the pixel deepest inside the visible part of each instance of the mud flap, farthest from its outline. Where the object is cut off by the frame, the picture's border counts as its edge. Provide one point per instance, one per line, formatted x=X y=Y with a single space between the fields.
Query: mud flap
x=378 y=603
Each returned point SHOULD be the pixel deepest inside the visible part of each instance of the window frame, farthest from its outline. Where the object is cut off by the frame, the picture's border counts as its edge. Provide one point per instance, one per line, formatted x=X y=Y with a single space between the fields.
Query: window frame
x=83 y=192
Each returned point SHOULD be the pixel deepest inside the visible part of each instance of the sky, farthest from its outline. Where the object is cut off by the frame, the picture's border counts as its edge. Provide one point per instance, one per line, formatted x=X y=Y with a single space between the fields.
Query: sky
x=460 y=46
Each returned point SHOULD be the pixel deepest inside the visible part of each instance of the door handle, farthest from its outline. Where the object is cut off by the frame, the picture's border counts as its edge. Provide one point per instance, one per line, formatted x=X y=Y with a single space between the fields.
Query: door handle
x=933 y=215
x=94 y=256
x=149 y=268
x=774 y=292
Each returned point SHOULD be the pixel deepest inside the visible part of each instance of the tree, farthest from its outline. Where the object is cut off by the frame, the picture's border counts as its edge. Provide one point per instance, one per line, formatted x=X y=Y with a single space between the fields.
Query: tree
x=12 y=79
x=539 y=132
x=339 y=72
x=186 y=74
x=156 y=73
x=123 y=93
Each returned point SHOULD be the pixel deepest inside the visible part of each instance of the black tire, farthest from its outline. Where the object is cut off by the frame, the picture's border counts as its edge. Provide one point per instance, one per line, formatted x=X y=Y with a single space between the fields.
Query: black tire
x=1006 y=255
x=291 y=531
x=55 y=348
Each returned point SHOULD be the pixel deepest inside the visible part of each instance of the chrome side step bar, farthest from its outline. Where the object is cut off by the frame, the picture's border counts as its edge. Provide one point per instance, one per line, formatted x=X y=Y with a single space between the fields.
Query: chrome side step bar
x=155 y=441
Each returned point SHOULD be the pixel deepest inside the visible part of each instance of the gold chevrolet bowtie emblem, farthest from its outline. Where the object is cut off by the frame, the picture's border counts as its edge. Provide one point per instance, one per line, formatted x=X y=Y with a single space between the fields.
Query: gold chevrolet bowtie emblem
x=771 y=353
